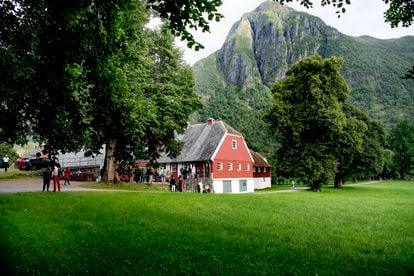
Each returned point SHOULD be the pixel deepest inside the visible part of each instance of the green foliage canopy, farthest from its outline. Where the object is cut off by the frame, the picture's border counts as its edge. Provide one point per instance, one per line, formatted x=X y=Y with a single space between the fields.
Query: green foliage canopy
x=6 y=149
x=187 y=13
x=360 y=151
x=307 y=117
x=401 y=141
x=84 y=74
x=321 y=135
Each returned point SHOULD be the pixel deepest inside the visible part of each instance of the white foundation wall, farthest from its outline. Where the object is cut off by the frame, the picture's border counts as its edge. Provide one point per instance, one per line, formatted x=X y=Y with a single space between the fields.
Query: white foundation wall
x=262 y=182
x=235 y=185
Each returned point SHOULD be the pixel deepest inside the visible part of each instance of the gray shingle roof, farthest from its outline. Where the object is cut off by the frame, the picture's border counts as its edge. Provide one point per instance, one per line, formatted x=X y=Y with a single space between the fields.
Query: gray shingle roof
x=200 y=142
x=259 y=161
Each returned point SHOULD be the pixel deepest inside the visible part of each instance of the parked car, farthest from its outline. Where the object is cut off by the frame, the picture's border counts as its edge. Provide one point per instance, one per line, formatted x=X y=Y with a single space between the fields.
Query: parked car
x=20 y=161
x=37 y=164
x=2 y=165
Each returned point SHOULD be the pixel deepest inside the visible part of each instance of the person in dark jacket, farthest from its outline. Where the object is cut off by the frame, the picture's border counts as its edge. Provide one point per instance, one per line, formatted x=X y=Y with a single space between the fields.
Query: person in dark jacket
x=180 y=183
x=47 y=175
x=172 y=183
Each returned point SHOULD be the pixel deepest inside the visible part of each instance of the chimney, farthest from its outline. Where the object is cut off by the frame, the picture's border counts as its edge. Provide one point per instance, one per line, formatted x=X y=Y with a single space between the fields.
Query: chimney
x=210 y=121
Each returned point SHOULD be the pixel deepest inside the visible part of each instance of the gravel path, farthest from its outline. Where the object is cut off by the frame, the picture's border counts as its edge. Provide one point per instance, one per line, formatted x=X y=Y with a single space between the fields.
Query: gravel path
x=35 y=184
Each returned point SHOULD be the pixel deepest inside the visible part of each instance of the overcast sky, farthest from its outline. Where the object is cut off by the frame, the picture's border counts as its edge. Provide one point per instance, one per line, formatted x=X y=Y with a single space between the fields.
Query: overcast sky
x=363 y=17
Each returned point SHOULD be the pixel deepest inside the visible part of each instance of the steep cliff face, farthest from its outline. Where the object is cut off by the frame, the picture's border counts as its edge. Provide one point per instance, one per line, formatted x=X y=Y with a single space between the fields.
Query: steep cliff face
x=235 y=81
x=264 y=43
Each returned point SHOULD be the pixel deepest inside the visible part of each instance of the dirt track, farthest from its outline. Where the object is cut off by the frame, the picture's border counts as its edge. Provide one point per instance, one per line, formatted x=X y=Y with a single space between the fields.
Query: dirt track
x=35 y=184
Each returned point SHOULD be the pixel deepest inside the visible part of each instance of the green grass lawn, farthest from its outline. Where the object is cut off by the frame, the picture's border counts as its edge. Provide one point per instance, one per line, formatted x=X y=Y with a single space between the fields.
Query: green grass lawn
x=366 y=229
x=157 y=187
x=16 y=173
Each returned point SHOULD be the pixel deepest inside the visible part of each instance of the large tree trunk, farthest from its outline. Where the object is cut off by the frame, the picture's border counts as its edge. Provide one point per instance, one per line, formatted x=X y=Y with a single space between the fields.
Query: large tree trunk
x=110 y=164
x=315 y=187
x=338 y=181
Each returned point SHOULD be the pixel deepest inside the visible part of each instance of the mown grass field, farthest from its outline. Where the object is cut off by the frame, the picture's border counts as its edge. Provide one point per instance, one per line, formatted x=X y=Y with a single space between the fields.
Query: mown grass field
x=364 y=230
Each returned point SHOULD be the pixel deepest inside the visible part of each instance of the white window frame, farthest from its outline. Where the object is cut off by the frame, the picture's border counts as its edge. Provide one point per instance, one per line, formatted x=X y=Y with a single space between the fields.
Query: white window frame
x=238 y=165
x=234 y=144
x=229 y=166
x=247 y=167
x=219 y=166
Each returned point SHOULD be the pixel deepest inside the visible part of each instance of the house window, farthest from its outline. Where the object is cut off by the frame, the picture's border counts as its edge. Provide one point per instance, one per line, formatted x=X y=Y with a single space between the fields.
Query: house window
x=230 y=166
x=264 y=169
x=259 y=169
x=243 y=185
x=233 y=144
x=247 y=167
x=219 y=166
x=226 y=186
x=238 y=166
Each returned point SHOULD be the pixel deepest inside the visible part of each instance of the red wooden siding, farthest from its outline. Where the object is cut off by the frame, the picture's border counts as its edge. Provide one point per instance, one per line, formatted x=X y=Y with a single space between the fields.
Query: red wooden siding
x=261 y=173
x=227 y=154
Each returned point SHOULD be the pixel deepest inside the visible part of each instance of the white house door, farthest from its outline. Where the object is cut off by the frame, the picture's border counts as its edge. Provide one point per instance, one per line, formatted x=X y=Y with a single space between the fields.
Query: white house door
x=226 y=186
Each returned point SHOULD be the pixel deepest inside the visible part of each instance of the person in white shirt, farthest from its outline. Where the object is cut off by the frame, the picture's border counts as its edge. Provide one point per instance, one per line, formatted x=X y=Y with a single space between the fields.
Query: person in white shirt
x=200 y=187
x=6 y=162
x=56 y=178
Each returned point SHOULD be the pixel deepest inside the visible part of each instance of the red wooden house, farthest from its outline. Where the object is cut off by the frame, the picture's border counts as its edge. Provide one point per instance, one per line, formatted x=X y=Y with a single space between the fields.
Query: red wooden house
x=262 y=173
x=216 y=154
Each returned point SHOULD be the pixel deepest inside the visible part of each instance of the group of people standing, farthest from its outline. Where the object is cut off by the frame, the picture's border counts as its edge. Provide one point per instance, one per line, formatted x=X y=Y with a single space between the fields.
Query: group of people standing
x=54 y=173
x=176 y=186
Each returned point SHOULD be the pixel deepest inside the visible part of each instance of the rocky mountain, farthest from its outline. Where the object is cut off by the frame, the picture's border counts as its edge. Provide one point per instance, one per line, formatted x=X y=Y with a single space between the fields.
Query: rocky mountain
x=235 y=81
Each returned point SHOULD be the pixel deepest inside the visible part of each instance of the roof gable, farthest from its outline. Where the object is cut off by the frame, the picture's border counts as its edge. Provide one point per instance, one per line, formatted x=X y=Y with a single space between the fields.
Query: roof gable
x=200 y=142
x=259 y=161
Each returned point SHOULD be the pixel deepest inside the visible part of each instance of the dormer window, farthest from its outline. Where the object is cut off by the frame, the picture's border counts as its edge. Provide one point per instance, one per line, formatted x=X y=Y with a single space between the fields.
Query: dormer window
x=233 y=144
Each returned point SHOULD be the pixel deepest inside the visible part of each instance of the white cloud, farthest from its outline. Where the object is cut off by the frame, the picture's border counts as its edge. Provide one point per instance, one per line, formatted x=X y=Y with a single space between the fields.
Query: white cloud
x=361 y=18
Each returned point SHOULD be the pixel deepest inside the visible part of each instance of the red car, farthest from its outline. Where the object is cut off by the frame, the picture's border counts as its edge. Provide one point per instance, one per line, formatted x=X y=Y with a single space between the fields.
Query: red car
x=20 y=161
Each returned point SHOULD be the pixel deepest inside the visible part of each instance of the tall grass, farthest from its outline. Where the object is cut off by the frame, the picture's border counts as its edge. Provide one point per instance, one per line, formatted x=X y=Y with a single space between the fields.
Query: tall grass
x=367 y=229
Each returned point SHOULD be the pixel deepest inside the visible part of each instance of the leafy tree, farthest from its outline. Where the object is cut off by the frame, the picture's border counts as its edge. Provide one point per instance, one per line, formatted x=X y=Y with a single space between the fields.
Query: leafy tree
x=400 y=11
x=322 y=136
x=388 y=170
x=308 y=117
x=409 y=74
x=181 y=14
x=401 y=141
x=81 y=74
x=350 y=144
x=361 y=147
x=6 y=149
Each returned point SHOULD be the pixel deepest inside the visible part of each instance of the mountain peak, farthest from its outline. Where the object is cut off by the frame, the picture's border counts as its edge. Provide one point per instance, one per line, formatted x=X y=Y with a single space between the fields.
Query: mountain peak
x=274 y=8
x=263 y=43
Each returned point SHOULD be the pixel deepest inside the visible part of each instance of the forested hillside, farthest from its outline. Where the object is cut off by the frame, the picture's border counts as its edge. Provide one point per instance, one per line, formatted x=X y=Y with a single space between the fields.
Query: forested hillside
x=234 y=82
